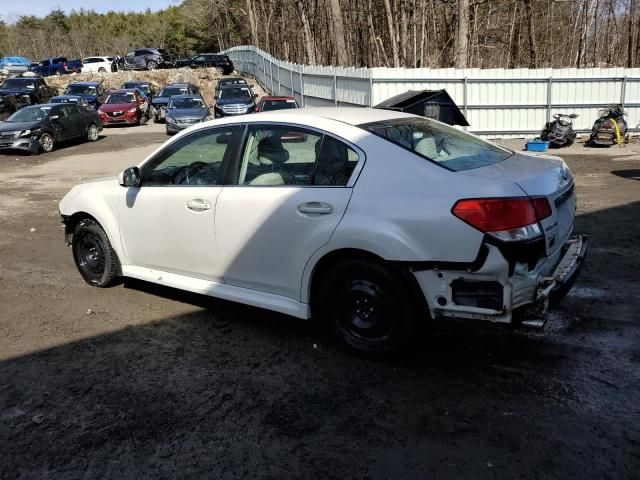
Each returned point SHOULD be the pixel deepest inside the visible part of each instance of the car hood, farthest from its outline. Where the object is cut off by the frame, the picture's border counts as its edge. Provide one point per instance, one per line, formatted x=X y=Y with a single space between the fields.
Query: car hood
x=18 y=126
x=116 y=107
x=234 y=101
x=536 y=174
x=188 y=112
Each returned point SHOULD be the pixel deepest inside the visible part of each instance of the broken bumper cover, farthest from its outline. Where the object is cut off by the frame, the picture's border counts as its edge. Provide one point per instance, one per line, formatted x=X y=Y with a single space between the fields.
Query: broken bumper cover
x=496 y=289
x=29 y=144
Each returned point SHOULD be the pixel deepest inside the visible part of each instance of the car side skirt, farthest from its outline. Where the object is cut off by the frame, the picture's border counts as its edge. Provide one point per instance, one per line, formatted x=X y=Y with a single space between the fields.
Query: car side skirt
x=255 y=298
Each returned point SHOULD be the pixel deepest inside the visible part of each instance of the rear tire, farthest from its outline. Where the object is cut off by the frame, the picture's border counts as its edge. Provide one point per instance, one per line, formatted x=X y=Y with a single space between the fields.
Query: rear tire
x=152 y=65
x=92 y=252
x=369 y=305
x=102 y=70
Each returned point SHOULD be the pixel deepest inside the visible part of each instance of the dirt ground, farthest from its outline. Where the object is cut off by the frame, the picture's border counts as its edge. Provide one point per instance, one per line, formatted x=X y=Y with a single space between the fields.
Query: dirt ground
x=143 y=382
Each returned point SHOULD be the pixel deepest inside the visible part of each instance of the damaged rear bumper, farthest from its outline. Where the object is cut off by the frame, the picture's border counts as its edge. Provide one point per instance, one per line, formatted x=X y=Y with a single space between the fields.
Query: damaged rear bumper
x=497 y=289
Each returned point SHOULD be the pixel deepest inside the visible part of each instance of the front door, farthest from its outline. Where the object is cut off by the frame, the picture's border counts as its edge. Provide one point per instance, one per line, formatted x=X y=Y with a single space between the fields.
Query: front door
x=63 y=127
x=291 y=191
x=168 y=222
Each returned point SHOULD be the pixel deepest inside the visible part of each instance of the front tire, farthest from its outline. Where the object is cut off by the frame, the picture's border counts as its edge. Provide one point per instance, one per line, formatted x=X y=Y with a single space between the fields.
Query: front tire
x=152 y=65
x=47 y=143
x=92 y=133
x=369 y=305
x=102 y=70
x=92 y=252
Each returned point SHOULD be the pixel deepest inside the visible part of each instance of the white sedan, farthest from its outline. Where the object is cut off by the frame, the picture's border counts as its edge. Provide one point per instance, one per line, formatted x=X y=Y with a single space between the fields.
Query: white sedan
x=97 y=64
x=370 y=220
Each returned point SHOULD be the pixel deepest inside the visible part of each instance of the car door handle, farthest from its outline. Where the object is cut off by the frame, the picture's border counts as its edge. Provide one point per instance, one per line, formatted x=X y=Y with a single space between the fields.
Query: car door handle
x=198 y=205
x=318 y=208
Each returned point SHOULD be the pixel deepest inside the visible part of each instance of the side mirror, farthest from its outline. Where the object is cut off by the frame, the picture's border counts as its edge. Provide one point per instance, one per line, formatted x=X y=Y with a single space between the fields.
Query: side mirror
x=54 y=117
x=129 y=177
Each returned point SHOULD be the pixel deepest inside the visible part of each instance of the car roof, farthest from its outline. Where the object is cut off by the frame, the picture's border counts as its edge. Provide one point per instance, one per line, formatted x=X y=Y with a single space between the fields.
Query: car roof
x=68 y=96
x=136 y=82
x=231 y=79
x=123 y=90
x=187 y=96
x=275 y=97
x=86 y=84
x=350 y=115
x=235 y=85
x=177 y=85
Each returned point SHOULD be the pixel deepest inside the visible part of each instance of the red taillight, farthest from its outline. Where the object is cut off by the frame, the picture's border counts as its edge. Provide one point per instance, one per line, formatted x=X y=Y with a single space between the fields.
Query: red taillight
x=500 y=214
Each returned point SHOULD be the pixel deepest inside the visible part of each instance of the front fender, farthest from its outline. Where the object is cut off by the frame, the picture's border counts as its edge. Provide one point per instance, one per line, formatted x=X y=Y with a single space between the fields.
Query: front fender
x=99 y=200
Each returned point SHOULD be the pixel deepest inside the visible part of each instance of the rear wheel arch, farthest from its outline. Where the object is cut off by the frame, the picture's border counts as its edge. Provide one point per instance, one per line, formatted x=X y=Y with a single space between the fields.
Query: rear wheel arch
x=331 y=259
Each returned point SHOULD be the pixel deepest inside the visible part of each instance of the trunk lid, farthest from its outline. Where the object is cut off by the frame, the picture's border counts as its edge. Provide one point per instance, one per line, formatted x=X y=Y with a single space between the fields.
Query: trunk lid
x=540 y=176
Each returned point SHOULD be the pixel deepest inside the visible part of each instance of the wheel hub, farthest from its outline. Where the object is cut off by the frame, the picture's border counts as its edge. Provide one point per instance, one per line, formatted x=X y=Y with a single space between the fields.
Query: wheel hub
x=367 y=312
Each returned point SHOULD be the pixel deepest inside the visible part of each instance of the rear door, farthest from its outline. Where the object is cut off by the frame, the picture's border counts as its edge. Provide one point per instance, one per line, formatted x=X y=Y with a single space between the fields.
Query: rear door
x=78 y=118
x=291 y=189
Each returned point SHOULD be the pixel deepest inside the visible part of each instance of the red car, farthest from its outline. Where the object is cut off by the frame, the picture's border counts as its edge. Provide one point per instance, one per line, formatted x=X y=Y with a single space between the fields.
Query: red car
x=270 y=103
x=123 y=107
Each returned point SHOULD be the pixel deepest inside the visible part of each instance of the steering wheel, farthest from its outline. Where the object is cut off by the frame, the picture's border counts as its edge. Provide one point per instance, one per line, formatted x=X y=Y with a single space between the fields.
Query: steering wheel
x=181 y=176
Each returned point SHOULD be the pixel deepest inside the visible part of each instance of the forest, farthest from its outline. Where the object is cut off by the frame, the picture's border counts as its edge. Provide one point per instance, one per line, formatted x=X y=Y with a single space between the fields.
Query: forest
x=392 y=33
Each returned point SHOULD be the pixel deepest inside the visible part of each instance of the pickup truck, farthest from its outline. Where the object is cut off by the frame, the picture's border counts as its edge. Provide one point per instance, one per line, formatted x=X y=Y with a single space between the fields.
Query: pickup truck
x=57 y=66
x=27 y=90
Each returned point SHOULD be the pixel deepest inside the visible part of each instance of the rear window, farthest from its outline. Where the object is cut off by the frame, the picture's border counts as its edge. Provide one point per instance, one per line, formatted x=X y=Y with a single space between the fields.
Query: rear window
x=447 y=146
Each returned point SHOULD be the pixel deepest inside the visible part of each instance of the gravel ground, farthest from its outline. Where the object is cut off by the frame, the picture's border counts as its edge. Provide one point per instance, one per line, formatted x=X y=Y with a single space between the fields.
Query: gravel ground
x=143 y=382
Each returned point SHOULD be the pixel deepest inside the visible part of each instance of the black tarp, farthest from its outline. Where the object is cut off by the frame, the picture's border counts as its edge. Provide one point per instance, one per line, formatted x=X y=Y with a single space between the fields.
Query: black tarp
x=436 y=104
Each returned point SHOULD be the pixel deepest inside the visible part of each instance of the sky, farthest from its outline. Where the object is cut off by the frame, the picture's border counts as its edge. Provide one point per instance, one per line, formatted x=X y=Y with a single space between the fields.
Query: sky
x=41 y=8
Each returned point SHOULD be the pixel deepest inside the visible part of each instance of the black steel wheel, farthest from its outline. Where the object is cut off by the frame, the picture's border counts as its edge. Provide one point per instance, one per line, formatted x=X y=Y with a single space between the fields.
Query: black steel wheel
x=95 y=258
x=370 y=306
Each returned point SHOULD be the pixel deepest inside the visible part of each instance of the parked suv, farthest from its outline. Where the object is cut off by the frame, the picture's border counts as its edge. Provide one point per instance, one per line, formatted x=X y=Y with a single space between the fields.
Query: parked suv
x=146 y=59
x=234 y=100
x=30 y=90
x=93 y=92
x=222 y=62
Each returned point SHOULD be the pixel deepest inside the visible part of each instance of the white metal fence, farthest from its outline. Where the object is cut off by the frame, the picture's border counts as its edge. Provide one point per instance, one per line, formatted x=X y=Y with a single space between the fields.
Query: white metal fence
x=497 y=102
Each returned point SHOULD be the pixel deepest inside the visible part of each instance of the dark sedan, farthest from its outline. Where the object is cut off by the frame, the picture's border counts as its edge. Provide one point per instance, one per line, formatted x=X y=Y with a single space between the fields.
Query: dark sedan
x=38 y=128
x=184 y=111
x=161 y=101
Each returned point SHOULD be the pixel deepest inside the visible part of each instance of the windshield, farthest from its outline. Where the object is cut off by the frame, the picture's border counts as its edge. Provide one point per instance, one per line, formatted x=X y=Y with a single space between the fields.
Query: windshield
x=170 y=92
x=18 y=83
x=278 y=105
x=228 y=93
x=30 y=114
x=186 y=103
x=80 y=90
x=121 y=98
x=440 y=143
x=144 y=88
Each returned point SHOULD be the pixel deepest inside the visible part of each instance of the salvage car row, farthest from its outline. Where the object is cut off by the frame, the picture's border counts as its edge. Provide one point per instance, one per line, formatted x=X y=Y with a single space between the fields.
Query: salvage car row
x=178 y=105
x=138 y=59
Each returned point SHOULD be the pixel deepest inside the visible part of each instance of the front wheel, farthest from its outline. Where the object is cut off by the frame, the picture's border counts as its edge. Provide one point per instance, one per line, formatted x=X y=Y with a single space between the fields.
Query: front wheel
x=369 y=305
x=46 y=142
x=152 y=65
x=95 y=258
x=92 y=133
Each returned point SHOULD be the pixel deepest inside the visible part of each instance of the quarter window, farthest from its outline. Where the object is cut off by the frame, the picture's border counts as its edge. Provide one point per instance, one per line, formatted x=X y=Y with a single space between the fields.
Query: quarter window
x=194 y=160
x=284 y=155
